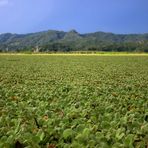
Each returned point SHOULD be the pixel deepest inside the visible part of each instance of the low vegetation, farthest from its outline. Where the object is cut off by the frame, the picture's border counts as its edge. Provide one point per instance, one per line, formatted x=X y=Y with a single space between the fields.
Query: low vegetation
x=73 y=101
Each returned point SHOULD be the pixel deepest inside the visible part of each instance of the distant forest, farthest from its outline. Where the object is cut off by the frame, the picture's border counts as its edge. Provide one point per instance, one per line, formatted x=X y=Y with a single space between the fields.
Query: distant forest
x=60 y=41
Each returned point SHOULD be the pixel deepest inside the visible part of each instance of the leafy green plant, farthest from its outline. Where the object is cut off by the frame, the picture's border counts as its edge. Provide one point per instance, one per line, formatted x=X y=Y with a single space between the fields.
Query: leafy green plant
x=73 y=101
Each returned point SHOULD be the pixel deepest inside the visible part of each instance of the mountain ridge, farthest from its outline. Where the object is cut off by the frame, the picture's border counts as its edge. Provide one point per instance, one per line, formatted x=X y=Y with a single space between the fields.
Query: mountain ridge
x=73 y=40
x=74 y=30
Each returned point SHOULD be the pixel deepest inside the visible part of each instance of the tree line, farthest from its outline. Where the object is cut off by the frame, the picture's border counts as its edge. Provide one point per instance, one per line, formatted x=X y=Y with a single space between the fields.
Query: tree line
x=63 y=47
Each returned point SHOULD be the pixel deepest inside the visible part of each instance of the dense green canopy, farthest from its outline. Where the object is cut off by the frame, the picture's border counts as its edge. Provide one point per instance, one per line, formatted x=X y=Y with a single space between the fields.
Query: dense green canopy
x=73 y=41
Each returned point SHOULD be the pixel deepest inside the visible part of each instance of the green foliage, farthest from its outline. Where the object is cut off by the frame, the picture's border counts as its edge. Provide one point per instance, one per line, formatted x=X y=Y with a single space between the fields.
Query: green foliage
x=73 y=101
x=60 y=41
x=68 y=133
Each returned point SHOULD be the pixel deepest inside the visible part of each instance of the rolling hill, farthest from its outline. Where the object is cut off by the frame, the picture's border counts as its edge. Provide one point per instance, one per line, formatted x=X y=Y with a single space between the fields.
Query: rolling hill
x=53 y=40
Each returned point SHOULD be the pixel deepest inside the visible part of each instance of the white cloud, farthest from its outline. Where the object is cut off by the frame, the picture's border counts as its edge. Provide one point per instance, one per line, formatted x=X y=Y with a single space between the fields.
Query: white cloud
x=4 y=3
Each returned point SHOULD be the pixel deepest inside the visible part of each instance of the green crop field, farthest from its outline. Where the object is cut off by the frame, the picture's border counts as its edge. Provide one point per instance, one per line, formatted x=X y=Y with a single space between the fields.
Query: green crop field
x=73 y=101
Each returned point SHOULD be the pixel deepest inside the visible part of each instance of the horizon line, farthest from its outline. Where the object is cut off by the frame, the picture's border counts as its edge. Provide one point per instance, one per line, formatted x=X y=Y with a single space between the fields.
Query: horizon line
x=59 y=30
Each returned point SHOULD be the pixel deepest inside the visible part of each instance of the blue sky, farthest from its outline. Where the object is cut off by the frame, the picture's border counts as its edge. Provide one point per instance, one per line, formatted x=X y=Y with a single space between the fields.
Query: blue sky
x=118 y=16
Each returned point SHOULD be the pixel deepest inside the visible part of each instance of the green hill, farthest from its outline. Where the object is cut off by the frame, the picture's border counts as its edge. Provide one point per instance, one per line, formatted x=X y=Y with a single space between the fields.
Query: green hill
x=53 y=40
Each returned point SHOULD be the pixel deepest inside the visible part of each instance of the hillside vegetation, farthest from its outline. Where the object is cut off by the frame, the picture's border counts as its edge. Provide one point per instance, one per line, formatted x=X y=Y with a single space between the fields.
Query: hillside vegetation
x=52 y=40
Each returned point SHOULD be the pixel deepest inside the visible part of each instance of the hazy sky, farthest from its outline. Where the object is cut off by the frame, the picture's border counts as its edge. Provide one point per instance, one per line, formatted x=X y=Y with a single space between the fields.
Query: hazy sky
x=118 y=16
